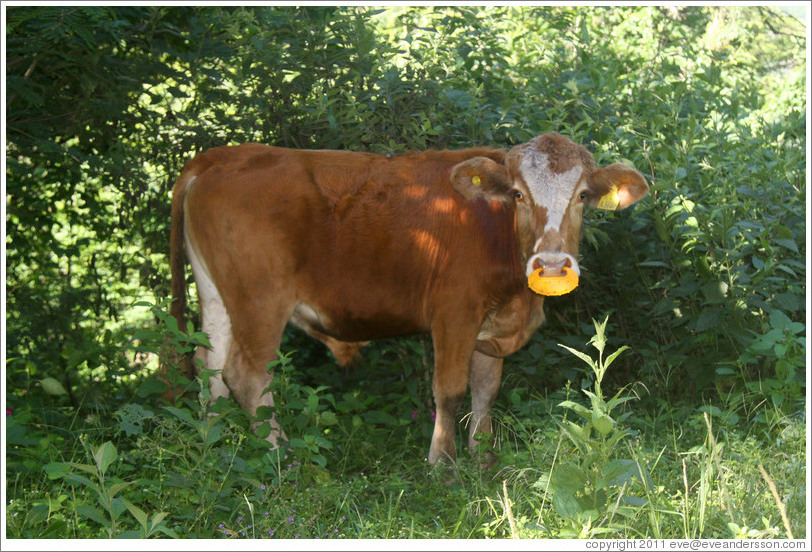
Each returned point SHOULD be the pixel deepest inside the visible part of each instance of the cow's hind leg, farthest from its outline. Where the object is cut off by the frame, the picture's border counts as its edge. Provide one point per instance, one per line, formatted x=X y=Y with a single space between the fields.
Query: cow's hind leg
x=258 y=334
x=239 y=366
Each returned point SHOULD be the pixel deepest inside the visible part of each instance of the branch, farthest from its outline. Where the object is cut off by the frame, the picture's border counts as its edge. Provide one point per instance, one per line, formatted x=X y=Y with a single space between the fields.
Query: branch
x=765 y=16
x=25 y=77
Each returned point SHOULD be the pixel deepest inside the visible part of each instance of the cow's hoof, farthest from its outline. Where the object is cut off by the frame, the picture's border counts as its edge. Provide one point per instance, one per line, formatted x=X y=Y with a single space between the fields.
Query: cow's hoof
x=486 y=460
x=444 y=470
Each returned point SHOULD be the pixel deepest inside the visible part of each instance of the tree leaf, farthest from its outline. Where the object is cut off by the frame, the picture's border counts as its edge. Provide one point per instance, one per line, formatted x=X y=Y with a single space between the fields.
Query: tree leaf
x=113 y=490
x=566 y=505
x=579 y=409
x=715 y=292
x=568 y=477
x=52 y=387
x=602 y=423
x=181 y=414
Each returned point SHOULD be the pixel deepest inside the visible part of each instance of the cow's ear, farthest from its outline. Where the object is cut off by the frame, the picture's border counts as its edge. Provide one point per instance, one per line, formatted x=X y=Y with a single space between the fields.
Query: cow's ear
x=481 y=177
x=616 y=186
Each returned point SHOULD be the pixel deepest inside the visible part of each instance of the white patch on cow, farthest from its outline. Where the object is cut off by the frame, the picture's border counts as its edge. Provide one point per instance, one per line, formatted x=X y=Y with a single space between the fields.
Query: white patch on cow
x=216 y=322
x=550 y=190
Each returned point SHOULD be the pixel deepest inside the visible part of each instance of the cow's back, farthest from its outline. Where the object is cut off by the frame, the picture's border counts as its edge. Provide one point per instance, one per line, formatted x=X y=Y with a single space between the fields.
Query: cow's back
x=360 y=240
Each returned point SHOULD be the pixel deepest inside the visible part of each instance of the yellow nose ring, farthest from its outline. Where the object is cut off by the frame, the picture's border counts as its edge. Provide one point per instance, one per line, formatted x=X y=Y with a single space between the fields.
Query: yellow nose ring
x=553 y=285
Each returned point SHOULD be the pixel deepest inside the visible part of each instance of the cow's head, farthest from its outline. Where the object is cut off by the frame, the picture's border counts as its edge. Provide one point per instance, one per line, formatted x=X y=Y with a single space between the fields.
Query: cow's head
x=549 y=180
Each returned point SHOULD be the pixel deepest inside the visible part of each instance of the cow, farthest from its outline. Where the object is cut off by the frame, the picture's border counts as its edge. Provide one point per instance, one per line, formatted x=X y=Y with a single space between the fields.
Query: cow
x=353 y=247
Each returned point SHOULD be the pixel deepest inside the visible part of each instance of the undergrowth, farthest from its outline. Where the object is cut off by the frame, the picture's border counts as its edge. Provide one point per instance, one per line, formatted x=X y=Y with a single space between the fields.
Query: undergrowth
x=578 y=463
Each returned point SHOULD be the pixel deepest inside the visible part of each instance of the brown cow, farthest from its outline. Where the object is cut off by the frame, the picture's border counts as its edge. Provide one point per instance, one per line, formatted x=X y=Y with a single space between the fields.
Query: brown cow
x=353 y=247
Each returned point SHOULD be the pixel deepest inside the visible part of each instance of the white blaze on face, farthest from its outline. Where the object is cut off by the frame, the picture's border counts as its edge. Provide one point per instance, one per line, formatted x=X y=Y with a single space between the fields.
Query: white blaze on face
x=550 y=190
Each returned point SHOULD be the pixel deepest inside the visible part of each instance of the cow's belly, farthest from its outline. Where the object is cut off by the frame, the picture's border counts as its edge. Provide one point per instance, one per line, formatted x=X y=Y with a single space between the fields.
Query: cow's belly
x=352 y=325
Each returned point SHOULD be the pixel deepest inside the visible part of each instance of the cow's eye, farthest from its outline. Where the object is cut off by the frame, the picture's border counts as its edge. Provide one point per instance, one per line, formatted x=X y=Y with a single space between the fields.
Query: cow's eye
x=517 y=194
x=582 y=196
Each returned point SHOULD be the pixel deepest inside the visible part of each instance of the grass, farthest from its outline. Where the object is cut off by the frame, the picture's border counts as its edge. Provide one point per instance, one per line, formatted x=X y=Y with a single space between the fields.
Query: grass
x=668 y=471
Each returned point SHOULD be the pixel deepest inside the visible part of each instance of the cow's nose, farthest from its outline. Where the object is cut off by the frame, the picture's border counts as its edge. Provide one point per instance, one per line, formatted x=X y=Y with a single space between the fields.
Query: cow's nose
x=552 y=263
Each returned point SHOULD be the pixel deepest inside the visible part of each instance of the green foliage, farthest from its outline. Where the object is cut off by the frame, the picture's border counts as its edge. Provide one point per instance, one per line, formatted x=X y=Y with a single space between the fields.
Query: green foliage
x=705 y=278
x=105 y=489
x=681 y=472
x=213 y=477
x=306 y=414
x=784 y=345
x=169 y=343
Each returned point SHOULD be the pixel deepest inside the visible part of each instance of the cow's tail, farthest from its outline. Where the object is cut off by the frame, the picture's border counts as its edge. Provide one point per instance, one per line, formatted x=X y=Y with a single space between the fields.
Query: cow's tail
x=177 y=264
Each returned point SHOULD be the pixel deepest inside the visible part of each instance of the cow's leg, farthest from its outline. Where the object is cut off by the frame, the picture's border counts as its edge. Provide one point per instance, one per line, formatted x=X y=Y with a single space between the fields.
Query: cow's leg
x=247 y=377
x=452 y=355
x=258 y=337
x=485 y=375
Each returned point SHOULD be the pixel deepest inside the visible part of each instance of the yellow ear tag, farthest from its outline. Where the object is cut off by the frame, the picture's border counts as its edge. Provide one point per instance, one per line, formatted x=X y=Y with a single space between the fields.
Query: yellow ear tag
x=476 y=181
x=552 y=285
x=609 y=201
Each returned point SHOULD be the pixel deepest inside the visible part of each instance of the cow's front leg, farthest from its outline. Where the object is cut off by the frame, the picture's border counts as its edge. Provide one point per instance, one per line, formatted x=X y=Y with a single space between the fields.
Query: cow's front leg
x=452 y=356
x=485 y=375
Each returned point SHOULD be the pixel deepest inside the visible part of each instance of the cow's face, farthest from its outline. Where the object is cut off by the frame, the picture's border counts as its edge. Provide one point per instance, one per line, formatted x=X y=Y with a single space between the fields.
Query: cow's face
x=549 y=180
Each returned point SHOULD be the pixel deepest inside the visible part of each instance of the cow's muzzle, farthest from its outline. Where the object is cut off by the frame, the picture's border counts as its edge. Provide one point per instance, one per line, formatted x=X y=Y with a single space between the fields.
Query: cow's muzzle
x=552 y=263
